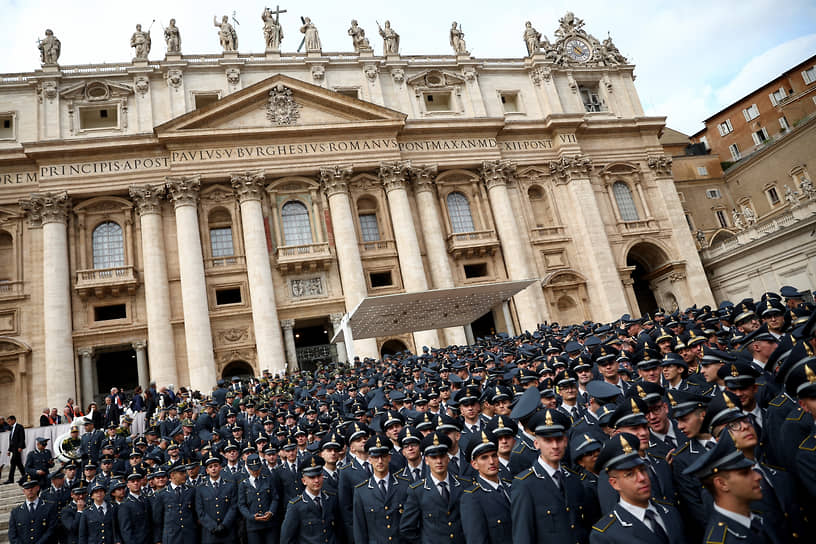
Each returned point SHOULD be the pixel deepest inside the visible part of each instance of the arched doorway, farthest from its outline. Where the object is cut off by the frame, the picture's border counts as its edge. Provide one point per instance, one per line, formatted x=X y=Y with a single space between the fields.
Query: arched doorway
x=391 y=347
x=568 y=311
x=647 y=262
x=241 y=369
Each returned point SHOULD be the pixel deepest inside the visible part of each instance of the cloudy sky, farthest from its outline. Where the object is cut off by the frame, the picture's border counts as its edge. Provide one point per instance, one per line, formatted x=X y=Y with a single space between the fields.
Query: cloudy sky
x=692 y=57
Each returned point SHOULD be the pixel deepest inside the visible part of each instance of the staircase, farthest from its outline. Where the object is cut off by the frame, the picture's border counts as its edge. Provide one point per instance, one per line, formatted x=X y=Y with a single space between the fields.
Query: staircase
x=11 y=495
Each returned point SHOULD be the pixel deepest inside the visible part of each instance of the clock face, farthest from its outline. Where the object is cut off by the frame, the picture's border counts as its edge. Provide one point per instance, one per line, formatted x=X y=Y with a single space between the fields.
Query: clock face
x=577 y=50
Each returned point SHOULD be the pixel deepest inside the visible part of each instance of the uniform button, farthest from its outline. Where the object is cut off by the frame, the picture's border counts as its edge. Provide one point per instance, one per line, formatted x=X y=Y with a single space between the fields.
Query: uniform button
x=567 y=508
x=450 y=523
x=386 y=508
x=451 y=535
x=387 y=526
x=498 y=521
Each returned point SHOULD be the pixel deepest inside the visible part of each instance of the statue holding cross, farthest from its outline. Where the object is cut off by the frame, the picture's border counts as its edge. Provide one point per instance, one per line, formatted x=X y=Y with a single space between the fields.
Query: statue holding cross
x=273 y=31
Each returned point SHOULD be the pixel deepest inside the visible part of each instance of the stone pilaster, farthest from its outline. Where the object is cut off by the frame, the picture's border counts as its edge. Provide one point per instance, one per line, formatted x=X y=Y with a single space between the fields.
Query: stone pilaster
x=197 y=330
x=248 y=188
x=52 y=210
x=86 y=373
x=140 y=347
x=161 y=347
x=334 y=180
x=288 y=326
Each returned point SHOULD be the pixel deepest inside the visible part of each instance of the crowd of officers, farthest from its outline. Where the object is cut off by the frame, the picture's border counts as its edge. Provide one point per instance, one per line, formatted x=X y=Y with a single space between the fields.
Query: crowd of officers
x=693 y=426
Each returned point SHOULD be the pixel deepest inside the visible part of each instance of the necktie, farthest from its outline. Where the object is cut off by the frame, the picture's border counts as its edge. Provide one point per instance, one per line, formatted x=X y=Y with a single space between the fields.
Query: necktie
x=416 y=474
x=473 y=429
x=454 y=461
x=709 y=445
x=670 y=442
x=443 y=489
x=31 y=507
x=756 y=525
x=178 y=493
x=656 y=527
x=318 y=504
x=559 y=481
x=367 y=467
x=383 y=490
x=504 y=491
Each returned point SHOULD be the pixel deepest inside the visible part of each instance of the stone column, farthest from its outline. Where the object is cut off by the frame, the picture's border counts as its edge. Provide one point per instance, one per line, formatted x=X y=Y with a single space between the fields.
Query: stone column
x=335 y=319
x=288 y=326
x=248 y=189
x=161 y=346
x=495 y=175
x=86 y=371
x=140 y=346
x=508 y=319
x=197 y=331
x=438 y=262
x=394 y=176
x=52 y=209
x=352 y=278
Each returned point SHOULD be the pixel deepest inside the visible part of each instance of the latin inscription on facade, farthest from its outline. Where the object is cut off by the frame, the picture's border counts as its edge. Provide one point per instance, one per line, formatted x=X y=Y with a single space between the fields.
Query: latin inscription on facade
x=102 y=168
x=18 y=178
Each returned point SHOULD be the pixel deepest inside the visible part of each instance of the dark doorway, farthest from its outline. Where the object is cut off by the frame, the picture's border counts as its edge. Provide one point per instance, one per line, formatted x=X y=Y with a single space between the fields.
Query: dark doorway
x=484 y=326
x=241 y=369
x=649 y=262
x=312 y=343
x=643 y=291
x=116 y=368
x=391 y=347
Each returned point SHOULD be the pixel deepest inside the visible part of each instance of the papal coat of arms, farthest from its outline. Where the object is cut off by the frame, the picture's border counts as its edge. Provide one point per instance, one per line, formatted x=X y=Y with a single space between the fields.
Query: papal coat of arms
x=281 y=107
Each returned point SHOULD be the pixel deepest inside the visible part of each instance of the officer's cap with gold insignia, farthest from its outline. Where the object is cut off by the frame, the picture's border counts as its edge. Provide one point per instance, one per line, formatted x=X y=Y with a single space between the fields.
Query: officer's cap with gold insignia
x=550 y=423
x=724 y=408
x=30 y=482
x=630 y=413
x=480 y=443
x=435 y=443
x=409 y=435
x=724 y=456
x=311 y=466
x=378 y=445
x=802 y=380
x=620 y=452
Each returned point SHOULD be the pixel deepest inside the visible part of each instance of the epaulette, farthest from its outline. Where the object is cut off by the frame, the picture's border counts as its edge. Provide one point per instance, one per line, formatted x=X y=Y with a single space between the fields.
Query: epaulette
x=783 y=400
x=779 y=469
x=403 y=478
x=650 y=454
x=520 y=448
x=799 y=411
x=686 y=445
x=364 y=482
x=344 y=467
x=293 y=501
x=329 y=493
x=463 y=480
x=570 y=470
x=600 y=527
x=809 y=443
x=717 y=534
x=526 y=474
x=417 y=484
x=473 y=489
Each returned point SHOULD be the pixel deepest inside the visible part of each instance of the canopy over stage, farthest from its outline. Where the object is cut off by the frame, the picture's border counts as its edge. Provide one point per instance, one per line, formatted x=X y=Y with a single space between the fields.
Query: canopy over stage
x=388 y=315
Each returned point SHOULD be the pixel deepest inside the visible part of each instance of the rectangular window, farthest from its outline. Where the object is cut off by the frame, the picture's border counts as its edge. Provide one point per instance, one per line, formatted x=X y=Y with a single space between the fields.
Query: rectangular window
x=777 y=96
x=721 y=219
x=368 y=227
x=773 y=196
x=725 y=127
x=99 y=117
x=6 y=126
x=380 y=279
x=108 y=313
x=510 y=102
x=476 y=270
x=713 y=193
x=735 y=152
x=751 y=113
x=809 y=76
x=204 y=99
x=221 y=245
x=591 y=99
x=702 y=171
x=228 y=296
x=760 y=136
x=438 y=102
x=783 y=124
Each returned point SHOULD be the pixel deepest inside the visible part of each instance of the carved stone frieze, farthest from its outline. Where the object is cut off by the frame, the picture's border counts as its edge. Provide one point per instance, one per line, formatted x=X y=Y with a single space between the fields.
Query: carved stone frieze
x=248 y=185
x=424 y=177
x=281 y=107
x=371 y=71
x=141 y=84
x=147 y=197
x=495 y=173
x=335 y=179
x=174 y=78
x=318 y=72
x=394 y=175
x=47 y=90
x=233 y=76
x=661 y=164
x=398 y=74
x=232 y=335
x=184 y=191
x=307 y=287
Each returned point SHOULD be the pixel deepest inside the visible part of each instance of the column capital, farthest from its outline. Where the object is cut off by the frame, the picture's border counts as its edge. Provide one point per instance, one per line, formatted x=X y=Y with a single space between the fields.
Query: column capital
x=86 y=352
x=184 y=191
x=336 y=319
x=661 y=164
x=334 y=179
x=570 y=167
x=42 y=208
x=147 y=197
x=394 y=174
x=139 y=345
x=287 y=324
x=248 y=185
x=424 y=177
x=496 y=173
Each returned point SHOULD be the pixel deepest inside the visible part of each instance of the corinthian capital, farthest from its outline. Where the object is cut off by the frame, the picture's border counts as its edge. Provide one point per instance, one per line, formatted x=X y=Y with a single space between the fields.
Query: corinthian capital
x=248 y=185
x=661 y=164
x=496 y=173
x=43 y=208
x=184 y=191
x=424 y=177
x=147 y=197
x=570 y=167
x=394 y=175
x=335 y=179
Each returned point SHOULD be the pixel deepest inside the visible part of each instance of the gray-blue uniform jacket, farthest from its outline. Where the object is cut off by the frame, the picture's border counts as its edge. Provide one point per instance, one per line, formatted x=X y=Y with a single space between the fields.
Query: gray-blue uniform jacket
x=660 y=475
x=36 y=528
x=39 y=460
x=350 y=476
x=305 y=524
x=485 y=513
x=69 y=521
x=621 y=527
x=524 y=454
x=377 y=518
x=90 y=444
x=134 y=519
x=174 y=515
x=96 y=527
x=427 y=518
x=721 y=529
x=217 y=507
x=259 y=499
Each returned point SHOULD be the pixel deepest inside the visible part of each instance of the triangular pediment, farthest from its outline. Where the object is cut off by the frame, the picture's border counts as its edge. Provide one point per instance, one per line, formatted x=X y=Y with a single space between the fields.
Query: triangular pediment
x=279 y=103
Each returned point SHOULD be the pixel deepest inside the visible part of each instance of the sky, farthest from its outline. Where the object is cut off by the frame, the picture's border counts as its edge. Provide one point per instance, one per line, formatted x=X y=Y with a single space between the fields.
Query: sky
x=692 y=58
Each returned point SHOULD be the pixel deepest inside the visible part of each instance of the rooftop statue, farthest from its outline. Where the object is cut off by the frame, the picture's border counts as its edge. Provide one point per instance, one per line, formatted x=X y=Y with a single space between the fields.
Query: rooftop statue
x=532 y=38
x=311 y=36
x=49 y=48
x=172 y=37
x=358 y=37
x=273 y=31
x=457 y=40
x=391 y=40
x=226 y=34
x=140 y=42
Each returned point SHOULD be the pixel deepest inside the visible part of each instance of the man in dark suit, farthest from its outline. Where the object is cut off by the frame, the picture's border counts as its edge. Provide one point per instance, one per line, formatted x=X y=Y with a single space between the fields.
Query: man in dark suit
x=110 y=412
x=216 y=502
x=15 y=448
x=34 y=520
x=635 y=517
x=486 y=505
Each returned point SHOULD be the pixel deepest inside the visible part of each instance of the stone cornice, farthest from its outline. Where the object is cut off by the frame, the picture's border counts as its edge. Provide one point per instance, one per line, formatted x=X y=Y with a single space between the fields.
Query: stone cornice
x=147 y=198
x=495 y=173
x=424 y=177
x=184 y=191
x=43 y=208
x=394 y=175
x=570 y=167
x=248 y=185
x=335 y=179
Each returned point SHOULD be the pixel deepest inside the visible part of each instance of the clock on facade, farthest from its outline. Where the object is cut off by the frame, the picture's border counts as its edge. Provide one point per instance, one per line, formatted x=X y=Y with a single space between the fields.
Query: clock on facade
x=578 y=50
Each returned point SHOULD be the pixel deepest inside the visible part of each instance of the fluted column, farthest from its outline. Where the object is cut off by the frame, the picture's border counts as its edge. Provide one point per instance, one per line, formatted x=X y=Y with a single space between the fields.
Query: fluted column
x=197 y=331
x=335 y=185
x=288 y=326
x=248 y=189
x=394 y=177
x=438 y=262
x=495 y=175
x=140 y=347
x=60 y=380
x=336 y=320
x=86 y=373
x=161 y=346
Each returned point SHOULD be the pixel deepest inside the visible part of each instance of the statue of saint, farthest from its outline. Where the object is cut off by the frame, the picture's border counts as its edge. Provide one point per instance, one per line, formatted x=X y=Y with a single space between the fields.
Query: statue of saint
x=737 y=217
x=701 y=239
x=358 y=37
x=311 y=36
x=49 y=48
x=390 y=38
x=807 y=188
x=273 y=31
x=791 y=197
x=749 y=215
x=226 y=34
x=140 y=41
x=532 y=38
x=172 y=37
x=457 y=40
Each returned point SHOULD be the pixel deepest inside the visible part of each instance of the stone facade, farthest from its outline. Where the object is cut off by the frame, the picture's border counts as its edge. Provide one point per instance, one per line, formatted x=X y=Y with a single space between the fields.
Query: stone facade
x=206 y=215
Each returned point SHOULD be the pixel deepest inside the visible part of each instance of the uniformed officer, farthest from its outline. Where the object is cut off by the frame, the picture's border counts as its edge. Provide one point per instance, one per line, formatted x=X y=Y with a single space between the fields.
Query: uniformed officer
x=34 y=521
x=69 y=518
x=414 y=469
x=313 y=516
x=486 y=504
x=216 y=503
x=258 y=504
x=432 y=506
x=174 y=510
x=802 y=382
x=133 y=514
x=379 y=500
x=357 y=470
x=97 y=524
x=39 y=462
x=91 y=442
x=548 y=503
x=524 y=453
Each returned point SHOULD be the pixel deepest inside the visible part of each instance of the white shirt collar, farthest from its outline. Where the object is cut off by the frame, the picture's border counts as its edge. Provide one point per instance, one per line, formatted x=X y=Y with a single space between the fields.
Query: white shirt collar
x=436 y=481
x=757 y=411
x=312 y=497
x=550 y=470
x=739 y=518
x=494 y=485
x=378 y=480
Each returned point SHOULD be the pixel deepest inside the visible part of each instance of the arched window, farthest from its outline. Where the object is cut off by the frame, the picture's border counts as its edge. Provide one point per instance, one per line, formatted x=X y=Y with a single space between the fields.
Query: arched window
x=540 y=205
x=7 y=260
x=459 y=212
x=221 y=245
x=297 y=230
x=626 y=204
x=108 y=246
